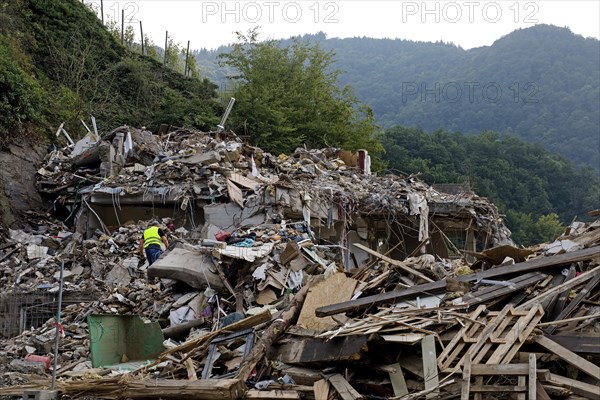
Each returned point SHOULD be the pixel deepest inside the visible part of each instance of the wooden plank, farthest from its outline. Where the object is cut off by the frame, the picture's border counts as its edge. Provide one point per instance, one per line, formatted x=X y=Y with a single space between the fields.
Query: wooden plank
x=570 y=357
x=304 y=376
x=499 y=369
x=562 y=297
x=321 y=389
x=315 y=350
x=272 y=394
x=534 y=264
x=541 y=392
x=430 y=369
x=497 y=388
x=466 y=384
x=226 y=389
x=532 y=378
x=344 y=389
x=235 y=193
x=396 y=263
x=398 y=382
x=396 y=295
x=583 y=293
x=549 y=302
x=433 y=287
x=577 y=343
x=407 y=338
x=242 y=180
x=334 y=289
x=581 y=388
x=493 y=292
x=567 y=285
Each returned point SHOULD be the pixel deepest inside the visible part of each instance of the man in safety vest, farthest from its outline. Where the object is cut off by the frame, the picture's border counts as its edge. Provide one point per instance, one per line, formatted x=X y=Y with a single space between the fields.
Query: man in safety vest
x=151 y=242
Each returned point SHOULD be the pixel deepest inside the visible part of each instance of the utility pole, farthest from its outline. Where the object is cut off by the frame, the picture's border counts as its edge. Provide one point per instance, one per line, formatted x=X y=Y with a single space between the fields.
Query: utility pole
x=122 y=26
x=142 y=35
x=187 y=54
x=102 y=10
x=166 y=45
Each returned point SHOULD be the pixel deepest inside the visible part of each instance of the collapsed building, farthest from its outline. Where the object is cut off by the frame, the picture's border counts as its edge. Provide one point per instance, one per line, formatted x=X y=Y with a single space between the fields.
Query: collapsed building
x=313 y=239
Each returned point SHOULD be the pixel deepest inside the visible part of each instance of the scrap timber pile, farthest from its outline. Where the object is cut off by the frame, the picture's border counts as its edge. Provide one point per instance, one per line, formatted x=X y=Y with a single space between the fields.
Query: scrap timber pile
x=265 y=308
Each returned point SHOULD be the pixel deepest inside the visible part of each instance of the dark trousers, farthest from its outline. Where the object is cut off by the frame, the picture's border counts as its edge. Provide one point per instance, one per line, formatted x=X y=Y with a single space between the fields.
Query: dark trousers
x=152 y=253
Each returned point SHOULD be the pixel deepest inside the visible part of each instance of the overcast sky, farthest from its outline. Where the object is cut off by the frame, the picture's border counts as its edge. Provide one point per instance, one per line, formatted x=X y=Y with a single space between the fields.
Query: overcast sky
x=209 y=24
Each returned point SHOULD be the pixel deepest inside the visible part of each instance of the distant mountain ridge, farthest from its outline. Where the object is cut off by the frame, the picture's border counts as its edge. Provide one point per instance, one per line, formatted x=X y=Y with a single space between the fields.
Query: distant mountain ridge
x=541 y=84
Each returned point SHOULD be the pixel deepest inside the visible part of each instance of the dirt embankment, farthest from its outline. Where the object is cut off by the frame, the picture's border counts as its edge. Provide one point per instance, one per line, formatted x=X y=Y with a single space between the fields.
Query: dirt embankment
x=18 y=165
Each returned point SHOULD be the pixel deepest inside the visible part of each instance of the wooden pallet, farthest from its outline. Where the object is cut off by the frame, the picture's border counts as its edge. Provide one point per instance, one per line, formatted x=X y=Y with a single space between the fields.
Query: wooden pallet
x=525 y=373
x=500 y=332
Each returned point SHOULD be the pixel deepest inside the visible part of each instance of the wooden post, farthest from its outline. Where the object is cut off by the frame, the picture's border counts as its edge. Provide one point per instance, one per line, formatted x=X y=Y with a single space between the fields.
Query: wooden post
x=166 y=45
x=102 y=10
x=187 y=54
x=142 y=36
x=122 y=26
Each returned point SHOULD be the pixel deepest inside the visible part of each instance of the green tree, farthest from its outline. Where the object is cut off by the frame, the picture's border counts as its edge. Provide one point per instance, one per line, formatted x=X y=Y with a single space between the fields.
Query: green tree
x=289 y=96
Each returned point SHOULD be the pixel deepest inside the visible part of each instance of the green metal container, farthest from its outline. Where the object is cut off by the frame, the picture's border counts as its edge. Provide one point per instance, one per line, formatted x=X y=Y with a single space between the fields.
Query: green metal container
x=123 y=339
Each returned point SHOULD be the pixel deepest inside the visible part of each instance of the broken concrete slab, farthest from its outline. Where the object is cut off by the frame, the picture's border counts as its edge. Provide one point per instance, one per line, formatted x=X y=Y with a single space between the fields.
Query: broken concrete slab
x=189 y=266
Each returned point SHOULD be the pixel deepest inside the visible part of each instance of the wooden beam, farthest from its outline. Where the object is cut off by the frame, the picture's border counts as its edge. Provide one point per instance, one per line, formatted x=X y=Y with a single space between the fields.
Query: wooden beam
x=396 y=295
x=532 y=377
x=321 y=389
x=396 y=263
x=574 y=303
x=519 y=268
x=466 y=384
x=563 y=296
x=497 y=388
x=344 y=389
x=570 y=357
x=567 y=285
x=497 y=291
x=535 y=264
x=541 y=392
x=577 y=387
x=577 y=343
x=315 y=350
x=272 y=394
x=226 y=389
x=499 y=369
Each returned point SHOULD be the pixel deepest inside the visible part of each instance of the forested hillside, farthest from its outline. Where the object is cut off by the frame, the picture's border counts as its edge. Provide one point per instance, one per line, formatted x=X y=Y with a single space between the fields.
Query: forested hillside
x=59 y=64
x=536 y=190
x=541 y=84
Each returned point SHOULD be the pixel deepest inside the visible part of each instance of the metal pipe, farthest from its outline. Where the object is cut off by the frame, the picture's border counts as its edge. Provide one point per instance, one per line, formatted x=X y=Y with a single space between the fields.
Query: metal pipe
x=60 y=292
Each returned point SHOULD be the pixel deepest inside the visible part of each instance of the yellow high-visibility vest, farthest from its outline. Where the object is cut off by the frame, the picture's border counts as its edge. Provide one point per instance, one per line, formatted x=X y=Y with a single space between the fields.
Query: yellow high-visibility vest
x=151 y=236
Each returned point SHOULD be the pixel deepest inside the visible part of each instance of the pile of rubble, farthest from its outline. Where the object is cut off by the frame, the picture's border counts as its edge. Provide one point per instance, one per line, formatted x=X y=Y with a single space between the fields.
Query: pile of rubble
x=288 y=277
